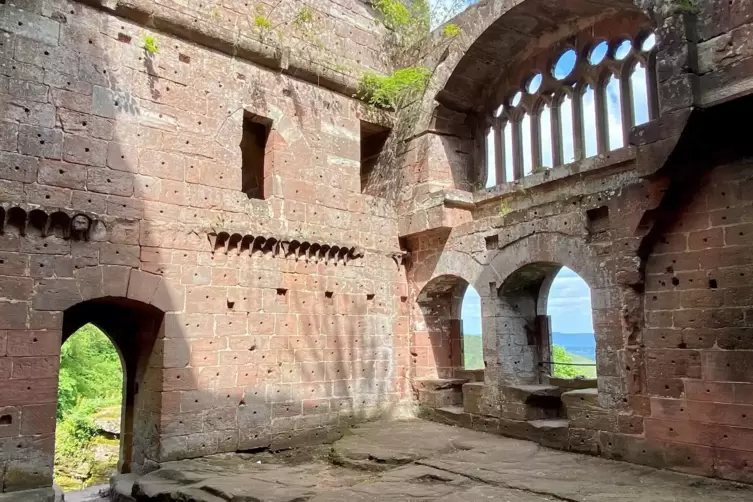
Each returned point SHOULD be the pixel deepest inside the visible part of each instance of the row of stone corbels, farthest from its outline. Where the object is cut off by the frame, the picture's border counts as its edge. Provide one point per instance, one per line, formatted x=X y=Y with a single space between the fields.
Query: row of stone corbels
x=35 y=221
x=260 y=245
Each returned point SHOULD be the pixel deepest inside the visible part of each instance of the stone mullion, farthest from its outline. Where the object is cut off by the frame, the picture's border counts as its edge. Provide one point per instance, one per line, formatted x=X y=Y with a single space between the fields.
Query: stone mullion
x=517 y=149
x=579 y=133
x=558 y=153
x=652 y=87
x=626 y=103
x=602 y=119
x=499 y=151
x=536 y=145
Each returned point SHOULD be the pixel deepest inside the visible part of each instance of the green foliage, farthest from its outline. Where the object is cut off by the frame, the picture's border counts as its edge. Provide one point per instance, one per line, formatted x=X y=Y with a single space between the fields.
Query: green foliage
x=409 y=20
x=473 y=352
x=504 y=209
x=303 y=17
x=687 y=6
x=150 y=44
x=393 y=90
x=262 y=22
x=451 y=30
x=560 y=355
x=91 y=380
x=89 y=370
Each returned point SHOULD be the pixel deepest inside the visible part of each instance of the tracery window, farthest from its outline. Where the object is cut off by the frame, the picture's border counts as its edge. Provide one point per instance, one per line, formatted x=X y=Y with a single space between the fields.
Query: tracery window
x=578 y=101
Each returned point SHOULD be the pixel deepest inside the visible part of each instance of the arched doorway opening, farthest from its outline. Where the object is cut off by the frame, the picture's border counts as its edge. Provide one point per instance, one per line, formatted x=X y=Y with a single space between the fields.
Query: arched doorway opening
x=131 y=330
x=90 y=396
x=527 y=354
x=470 y=316
x=571 y=326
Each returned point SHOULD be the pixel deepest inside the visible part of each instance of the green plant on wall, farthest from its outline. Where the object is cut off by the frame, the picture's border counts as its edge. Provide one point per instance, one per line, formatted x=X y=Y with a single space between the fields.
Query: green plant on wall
x=504 y=209
x=392 y=90
x=150 y=45
x=410 y=22
x=451 y=30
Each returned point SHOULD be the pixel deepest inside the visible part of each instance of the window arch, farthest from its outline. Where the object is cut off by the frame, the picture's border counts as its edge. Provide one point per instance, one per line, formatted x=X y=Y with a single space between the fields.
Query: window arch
x=577 y=100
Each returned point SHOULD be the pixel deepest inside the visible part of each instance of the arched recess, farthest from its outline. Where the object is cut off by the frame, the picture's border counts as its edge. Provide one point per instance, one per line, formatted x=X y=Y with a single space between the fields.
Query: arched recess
x=437 y=350
x=524 y=326
x=133 y=327
x=524 y=265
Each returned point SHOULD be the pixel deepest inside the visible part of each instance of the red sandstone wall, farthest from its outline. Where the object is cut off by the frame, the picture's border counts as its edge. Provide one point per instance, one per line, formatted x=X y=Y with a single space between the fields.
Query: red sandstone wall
x=257 y=346
x=699 y=349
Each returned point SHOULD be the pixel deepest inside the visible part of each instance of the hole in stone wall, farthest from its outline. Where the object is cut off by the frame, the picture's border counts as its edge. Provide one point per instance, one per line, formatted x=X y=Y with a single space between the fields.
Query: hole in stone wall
x=712 y=283
x=370 y=296
x=492 y=241
x=373 y=139
x=282 y=291
x=122 y=37
x=5 y=419
x=253 y=147
x=328 y=294
x=184 y=59
x=598 y=220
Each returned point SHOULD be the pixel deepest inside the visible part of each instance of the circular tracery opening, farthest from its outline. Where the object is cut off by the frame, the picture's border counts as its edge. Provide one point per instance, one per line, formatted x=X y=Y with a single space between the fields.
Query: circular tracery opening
x=565 y=64
x=515 y=101
x=649 y=42
x=598 y=53
x=534 y=83
x=622 y=50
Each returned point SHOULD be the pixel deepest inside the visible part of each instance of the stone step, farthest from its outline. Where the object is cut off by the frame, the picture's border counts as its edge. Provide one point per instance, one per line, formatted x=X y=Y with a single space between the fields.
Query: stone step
x=439 y=383
x=522 y=393
x=531 y=402
x=440 y=398
x=581 y=398
x=473 y=397
x=452 y=410
x=549 y=424
x=553 y=433
x=470 y=375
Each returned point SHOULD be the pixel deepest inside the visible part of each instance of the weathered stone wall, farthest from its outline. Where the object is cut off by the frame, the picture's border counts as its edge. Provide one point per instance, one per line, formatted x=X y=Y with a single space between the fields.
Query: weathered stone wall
x=617 y=220
x=279 y=319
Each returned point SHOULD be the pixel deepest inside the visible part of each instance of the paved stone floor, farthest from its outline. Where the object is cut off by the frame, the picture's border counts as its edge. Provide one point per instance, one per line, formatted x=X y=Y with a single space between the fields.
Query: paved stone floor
x=418 y=461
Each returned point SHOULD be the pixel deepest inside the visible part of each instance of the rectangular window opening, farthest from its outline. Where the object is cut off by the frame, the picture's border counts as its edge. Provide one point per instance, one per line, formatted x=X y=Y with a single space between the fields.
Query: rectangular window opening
x=253 y=145
x=373 y=139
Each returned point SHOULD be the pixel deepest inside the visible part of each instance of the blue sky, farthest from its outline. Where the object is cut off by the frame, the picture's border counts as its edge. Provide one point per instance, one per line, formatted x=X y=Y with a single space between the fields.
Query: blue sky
x=569 y=305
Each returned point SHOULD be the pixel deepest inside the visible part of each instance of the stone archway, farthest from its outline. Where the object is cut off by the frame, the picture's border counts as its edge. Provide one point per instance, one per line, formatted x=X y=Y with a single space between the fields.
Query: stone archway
x=133 y=328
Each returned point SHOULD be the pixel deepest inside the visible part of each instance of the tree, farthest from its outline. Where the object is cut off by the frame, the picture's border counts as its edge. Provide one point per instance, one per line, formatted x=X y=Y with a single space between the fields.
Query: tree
x=560 y=356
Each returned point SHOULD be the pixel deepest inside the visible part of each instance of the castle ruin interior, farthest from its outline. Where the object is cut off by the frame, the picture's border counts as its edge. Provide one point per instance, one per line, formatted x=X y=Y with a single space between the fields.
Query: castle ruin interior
x=278 y=260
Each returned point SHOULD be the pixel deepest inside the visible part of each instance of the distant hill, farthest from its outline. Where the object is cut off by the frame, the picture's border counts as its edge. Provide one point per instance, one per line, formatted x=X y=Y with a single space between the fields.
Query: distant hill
x=581 y=344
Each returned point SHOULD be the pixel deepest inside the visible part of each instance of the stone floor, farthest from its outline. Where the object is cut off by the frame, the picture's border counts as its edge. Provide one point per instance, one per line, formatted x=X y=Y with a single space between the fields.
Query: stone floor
x=416 y=461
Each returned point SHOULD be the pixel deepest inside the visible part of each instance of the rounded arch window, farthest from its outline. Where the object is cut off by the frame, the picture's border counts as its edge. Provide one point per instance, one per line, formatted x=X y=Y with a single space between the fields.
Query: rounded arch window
x=598 y=53
x=565 y=64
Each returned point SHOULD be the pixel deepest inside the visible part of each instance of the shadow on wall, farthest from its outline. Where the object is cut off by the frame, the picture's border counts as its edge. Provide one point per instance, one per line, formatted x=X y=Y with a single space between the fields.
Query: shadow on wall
x=196 y=384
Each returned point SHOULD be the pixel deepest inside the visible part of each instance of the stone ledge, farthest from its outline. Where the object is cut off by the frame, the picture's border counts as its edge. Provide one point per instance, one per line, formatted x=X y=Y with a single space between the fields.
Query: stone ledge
x=611 y=159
